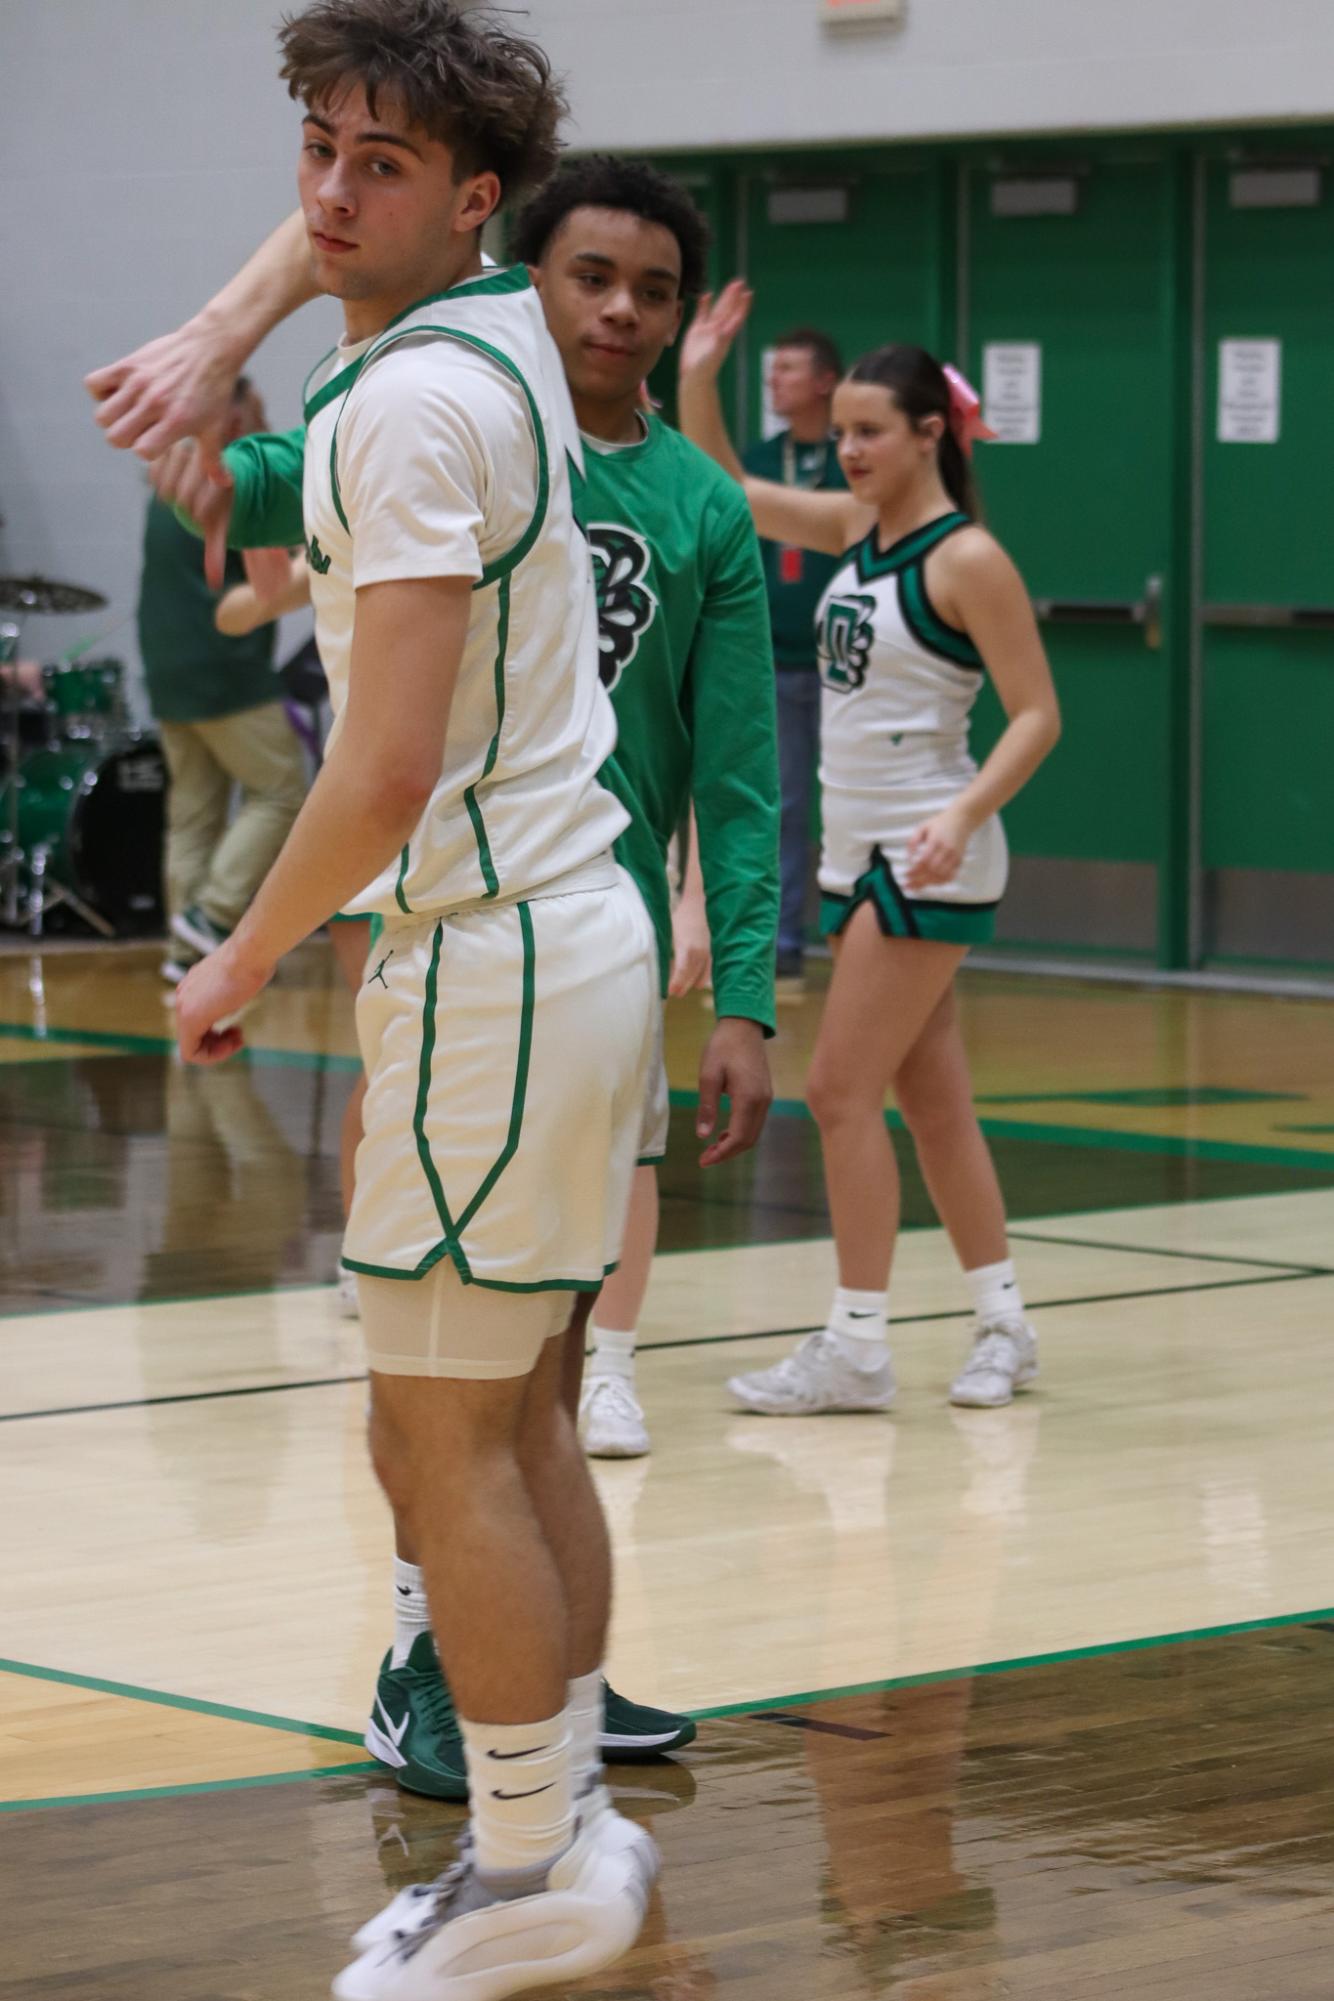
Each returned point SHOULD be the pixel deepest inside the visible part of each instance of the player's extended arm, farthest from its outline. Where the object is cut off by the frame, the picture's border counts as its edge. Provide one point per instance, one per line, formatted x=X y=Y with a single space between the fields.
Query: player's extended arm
x=264 y=596
x=826 y=522
x=180 y=385
x=734 y=783
x=370 y=794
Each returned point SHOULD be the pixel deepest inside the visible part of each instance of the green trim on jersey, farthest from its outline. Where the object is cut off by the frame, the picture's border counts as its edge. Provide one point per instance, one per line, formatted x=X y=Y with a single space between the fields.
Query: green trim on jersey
x=501 y=567
x=512 y=278
x=926 y=625
x=484 y=860
x=873 y=563
x=335 y=387
x=901 y=916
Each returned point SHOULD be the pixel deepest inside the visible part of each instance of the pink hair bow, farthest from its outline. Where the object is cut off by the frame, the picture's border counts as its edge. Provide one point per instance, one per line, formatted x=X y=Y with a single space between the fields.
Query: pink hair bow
x=965 y=411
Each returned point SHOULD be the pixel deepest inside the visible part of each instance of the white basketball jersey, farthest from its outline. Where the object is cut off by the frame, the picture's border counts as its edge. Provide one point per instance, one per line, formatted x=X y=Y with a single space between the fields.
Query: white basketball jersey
x=407 y=475
x=896 y=678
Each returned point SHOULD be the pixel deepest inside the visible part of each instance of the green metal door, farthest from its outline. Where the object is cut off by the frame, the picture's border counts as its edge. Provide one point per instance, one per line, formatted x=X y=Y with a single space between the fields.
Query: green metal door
x=861 y=250
x=1074 y=298
x=1267 y=714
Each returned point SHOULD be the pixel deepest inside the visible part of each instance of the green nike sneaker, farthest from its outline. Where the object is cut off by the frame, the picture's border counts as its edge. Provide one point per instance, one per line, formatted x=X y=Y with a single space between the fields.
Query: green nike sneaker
x=413 y=1728
x=631 y=1731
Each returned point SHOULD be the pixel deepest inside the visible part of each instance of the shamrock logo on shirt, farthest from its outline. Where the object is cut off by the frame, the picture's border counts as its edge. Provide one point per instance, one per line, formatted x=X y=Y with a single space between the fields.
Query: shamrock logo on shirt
x=626 y=605
x=846 y=633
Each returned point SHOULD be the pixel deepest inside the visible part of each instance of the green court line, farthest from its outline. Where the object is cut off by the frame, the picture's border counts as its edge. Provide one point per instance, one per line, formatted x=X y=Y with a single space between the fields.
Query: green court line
x=1106 y=1138
x=782 y=1108
x=194 y=1704
x=184 y=1792
x=117 y=1044
x=1099 y=1651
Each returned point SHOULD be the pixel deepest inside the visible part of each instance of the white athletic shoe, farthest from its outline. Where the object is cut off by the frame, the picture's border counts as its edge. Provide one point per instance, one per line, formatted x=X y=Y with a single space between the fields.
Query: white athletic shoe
x=816 y=1376
x=611 y=1420
x=1004 y=1359
x=598 y=1818
x=476 y=1946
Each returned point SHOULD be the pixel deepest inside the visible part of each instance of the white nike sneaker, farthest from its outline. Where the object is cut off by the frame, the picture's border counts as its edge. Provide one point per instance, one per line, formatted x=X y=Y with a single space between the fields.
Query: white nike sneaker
x=817 y=1376
x=1004 y=1359
x=598 y=1818
x=349 y=1299
x=611 y=1419
x=478 y=1946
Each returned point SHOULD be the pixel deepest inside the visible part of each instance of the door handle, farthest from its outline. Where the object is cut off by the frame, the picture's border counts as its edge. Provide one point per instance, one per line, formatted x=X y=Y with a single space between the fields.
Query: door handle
x=1276 y=617
x=1146 y=612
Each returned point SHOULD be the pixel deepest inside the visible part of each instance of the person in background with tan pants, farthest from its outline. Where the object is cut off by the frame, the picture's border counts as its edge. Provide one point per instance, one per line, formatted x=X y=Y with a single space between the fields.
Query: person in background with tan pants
x=217 y=704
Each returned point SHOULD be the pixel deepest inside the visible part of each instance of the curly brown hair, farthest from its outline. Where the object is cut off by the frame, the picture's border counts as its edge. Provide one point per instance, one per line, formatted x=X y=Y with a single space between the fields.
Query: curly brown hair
x=491 y=96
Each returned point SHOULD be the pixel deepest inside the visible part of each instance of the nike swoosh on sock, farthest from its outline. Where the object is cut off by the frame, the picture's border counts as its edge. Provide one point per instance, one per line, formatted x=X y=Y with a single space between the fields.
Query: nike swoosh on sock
x=507 y=1757
x=521 y=1796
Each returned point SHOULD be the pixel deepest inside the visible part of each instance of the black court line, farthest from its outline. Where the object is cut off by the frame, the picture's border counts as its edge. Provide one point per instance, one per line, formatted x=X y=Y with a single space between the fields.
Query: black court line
x=1288 y=1265
x=1031 y=1305
x=1292 y=1277
x=183 y=1396
x=817 y=1724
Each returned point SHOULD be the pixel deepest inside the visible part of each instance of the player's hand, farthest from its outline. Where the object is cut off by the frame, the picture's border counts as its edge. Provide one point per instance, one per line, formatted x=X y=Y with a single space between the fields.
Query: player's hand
x=209 y=999
x=179 y=386
x=935 y=850
x=183 y=480
x=716 y=324
x=734 y=1064
x=692 y=948
x=269 y=573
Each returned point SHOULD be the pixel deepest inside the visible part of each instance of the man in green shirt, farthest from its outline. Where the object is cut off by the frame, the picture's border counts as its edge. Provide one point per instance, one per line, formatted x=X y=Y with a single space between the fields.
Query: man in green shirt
x=616 y=250
x=217 y=703
x=804 y=370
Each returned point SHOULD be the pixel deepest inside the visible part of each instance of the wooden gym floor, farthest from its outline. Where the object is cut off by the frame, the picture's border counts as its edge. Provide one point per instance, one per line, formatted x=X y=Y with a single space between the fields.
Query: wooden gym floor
x=1020 y=1703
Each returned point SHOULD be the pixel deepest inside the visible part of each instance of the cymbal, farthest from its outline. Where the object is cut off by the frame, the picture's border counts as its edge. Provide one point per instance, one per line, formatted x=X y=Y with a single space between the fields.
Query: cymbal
x=41 y=594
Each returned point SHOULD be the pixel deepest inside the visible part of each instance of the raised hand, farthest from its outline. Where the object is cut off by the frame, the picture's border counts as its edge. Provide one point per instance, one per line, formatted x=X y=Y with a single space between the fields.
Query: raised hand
x=716 y=324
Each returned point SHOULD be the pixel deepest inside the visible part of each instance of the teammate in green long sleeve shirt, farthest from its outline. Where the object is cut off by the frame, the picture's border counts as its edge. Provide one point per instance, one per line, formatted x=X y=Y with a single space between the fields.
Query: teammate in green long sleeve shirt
x=616 y=251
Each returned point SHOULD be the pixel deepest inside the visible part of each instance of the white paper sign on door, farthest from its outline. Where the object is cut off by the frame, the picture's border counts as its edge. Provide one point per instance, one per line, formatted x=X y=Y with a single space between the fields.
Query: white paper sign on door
x=1012 y=391
x=1250 y=392
x=770 y=421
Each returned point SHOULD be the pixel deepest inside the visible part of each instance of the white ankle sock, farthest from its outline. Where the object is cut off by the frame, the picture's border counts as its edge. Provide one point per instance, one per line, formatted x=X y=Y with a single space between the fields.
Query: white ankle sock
x=613 y=1352
x=521 y=1783
x=996 y=1294
x=412 y=1615
x=585 y=1705
x=860 y=1321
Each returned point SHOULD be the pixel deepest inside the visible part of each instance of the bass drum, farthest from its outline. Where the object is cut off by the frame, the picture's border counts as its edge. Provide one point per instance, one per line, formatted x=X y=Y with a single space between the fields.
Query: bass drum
x=97 y=817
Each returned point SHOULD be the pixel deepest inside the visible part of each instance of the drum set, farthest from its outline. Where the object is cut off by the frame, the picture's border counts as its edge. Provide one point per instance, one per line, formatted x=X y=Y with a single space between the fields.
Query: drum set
x=82 y=793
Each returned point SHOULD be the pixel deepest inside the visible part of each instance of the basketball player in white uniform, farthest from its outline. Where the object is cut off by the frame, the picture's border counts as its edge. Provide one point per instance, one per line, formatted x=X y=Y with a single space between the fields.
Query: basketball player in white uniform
x=914 y=858
x=506 y=1027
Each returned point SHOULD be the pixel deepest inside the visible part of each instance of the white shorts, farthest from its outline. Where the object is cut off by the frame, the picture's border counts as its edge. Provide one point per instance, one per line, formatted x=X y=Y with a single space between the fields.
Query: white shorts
x=507 y=1051
x=864 y=856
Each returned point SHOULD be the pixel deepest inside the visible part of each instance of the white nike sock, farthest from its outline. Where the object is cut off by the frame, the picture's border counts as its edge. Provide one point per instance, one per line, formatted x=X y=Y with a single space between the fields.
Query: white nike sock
x=521 y=1784
x=613 y=1352
x=996 y=1294
x=860 y=1322
x=412 y=1616
x=586 y=1706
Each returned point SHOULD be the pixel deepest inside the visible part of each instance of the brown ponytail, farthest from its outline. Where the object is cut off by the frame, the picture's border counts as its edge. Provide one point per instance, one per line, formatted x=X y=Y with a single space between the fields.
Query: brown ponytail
x=918 y=384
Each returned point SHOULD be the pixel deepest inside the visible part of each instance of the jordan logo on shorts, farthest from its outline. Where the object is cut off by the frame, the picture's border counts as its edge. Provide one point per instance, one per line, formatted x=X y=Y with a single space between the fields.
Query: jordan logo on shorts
x=378 y=974
x=316 y=557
